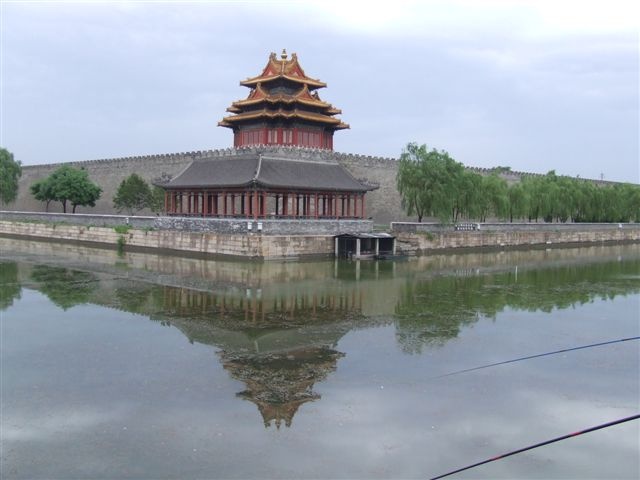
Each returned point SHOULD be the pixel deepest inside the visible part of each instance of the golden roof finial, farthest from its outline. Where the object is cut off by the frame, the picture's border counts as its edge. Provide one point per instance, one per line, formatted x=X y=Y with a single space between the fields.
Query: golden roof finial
x=283 y=56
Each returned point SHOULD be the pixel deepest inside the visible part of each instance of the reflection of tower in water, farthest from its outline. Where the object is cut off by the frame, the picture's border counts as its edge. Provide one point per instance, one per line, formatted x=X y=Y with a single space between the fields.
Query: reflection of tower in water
x=254 y=307
x=279 y=346
x=279 y=383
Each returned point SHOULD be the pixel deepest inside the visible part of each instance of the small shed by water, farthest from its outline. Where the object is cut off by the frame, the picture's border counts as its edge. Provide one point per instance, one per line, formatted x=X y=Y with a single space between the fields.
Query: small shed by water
x=365 y=245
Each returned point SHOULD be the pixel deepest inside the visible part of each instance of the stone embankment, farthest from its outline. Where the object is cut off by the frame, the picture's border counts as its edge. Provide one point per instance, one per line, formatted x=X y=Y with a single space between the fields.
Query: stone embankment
x=251 y=245
x=423 y=238
x=263 y=239
x=274 y=239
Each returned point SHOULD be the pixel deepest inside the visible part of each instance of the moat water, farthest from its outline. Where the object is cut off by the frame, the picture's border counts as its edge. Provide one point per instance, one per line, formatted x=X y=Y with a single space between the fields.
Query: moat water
x=145 y=366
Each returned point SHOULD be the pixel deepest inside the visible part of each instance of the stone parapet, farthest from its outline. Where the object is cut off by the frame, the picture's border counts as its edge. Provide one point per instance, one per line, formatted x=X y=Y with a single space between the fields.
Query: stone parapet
x=433 y=227
x=199 y=224
x=264 y=226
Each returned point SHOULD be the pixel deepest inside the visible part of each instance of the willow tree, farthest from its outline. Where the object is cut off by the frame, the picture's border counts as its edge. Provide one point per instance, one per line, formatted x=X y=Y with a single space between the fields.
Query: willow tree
x=10 y=172
x=428 y=182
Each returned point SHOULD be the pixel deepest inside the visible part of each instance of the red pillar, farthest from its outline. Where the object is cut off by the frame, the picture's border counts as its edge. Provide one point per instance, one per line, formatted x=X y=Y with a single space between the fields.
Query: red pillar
x=363 y=211
x=255 y=204
x=316 y=206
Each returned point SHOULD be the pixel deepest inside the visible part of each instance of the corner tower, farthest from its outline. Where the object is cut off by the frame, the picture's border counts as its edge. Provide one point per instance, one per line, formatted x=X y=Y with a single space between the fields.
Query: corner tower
x=283 y=108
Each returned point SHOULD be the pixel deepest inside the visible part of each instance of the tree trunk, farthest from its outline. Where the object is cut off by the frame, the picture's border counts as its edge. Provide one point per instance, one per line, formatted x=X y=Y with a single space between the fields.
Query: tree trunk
x=64 y=206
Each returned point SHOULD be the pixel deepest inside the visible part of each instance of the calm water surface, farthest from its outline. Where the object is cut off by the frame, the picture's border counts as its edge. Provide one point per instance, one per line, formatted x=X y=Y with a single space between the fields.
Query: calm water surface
x=146 y=366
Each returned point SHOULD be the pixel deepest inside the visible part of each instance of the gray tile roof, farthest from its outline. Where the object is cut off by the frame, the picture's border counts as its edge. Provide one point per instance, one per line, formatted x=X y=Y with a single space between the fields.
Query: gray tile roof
x=266 y=172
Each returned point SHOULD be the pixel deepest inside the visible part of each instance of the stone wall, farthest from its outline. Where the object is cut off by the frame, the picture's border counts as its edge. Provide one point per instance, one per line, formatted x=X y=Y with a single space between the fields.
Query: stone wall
x=420 y=239
x=382 y=205
x=107 y=173
x=423 y=239
x=217 y=244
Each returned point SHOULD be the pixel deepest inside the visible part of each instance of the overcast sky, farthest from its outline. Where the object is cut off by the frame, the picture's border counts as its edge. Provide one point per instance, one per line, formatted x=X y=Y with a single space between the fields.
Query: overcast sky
x=535 y=85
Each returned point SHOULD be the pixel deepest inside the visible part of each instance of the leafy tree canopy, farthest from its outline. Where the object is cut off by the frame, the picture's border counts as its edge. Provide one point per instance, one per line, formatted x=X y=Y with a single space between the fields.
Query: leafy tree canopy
x=427 y=181
x=10 y=172
x=132 y=195
x=432 y=184
x=67 y=184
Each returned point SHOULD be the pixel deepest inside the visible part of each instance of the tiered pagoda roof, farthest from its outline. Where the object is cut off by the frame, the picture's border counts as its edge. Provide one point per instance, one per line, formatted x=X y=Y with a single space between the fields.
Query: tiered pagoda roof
x=283 y=95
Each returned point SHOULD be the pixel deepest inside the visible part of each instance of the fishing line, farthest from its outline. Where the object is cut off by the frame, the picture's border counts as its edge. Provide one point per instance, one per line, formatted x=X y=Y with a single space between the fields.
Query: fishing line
x=557 y=439
x=538 y=355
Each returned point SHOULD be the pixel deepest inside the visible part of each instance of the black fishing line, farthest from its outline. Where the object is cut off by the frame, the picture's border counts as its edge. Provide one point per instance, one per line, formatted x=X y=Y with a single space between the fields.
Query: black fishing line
x=557 y=439
x=538 y=355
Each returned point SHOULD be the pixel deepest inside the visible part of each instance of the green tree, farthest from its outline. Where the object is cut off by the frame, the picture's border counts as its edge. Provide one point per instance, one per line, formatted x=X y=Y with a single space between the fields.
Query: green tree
x=469 y=190
x=493 y=199
x=156 y=204
x=67 y=184
x=132 y=195
x=518 y=201
x=42 y=190
x=10 y=172
x=428 y=182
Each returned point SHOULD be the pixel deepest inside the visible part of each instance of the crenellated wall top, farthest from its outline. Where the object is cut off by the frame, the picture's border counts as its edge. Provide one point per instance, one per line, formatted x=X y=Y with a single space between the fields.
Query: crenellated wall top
x=286 y=151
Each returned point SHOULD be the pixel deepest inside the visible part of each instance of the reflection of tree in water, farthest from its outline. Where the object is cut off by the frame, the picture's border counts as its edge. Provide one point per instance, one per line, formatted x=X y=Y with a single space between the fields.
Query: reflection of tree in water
x=430 y=312
x=279 y=383
x=140 y=298
x=10 y=288
x=65 y=288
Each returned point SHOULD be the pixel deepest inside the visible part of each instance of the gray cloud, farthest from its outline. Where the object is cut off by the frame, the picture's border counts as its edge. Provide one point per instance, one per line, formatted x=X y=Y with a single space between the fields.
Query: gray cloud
x=526 y=86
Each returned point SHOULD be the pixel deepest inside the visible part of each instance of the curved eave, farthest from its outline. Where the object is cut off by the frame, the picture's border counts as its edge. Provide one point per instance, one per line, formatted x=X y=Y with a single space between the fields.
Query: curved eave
x=334 y=122
x=281 y=99
x=310 y=82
